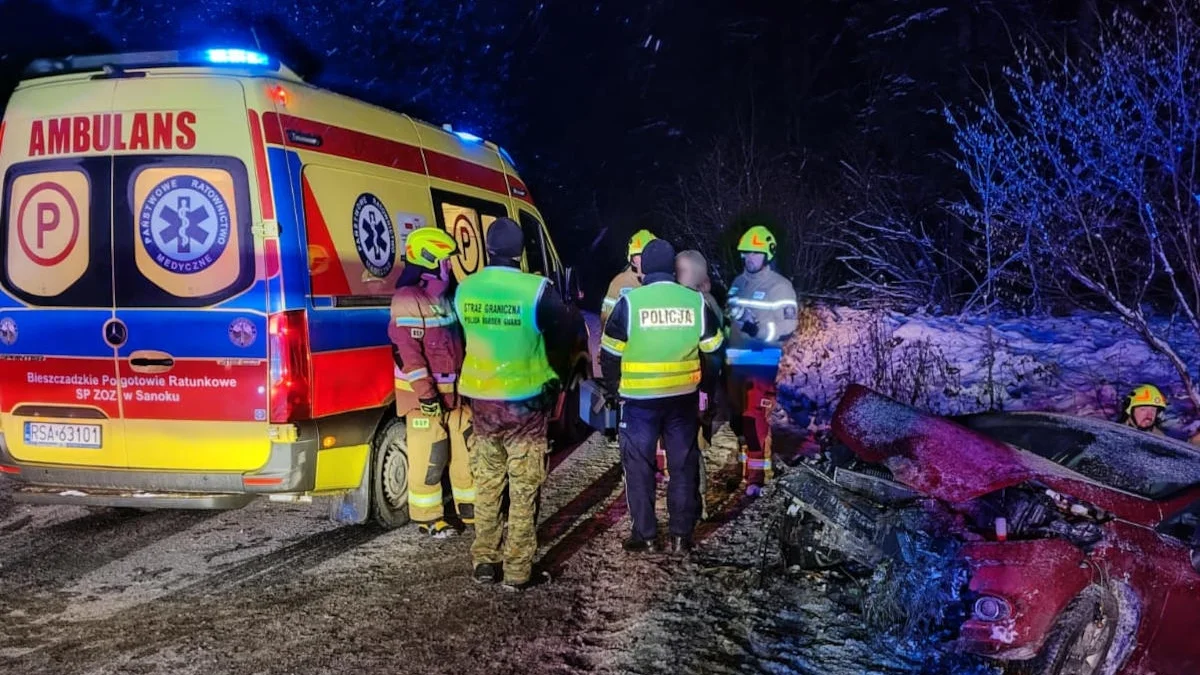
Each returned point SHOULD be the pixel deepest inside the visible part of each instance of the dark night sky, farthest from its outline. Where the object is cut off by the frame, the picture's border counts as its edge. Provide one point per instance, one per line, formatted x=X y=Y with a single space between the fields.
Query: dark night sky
x=604 y=104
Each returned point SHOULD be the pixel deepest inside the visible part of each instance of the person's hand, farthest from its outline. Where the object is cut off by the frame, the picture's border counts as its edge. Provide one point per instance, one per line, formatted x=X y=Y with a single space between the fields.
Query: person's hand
x=750 y=328
x=431 y=407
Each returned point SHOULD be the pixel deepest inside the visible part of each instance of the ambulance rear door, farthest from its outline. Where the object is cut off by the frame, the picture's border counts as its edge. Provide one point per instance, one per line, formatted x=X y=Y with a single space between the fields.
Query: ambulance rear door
x=59 y=393
x=190 y=277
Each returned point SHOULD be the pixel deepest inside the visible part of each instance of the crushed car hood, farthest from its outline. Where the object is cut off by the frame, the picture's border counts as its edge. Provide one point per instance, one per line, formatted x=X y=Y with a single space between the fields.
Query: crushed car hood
x=930 y=454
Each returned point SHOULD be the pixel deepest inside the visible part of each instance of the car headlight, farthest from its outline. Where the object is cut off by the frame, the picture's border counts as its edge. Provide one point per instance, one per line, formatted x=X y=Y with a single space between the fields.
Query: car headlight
x=990 y=608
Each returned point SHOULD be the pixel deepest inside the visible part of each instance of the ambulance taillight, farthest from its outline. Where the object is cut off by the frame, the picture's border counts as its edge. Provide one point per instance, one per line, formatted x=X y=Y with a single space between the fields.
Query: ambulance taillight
x=290 y=396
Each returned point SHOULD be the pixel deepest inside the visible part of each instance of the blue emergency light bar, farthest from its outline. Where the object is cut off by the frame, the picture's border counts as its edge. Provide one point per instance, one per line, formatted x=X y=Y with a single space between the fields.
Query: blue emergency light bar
x=237 y=56
x=114 y=64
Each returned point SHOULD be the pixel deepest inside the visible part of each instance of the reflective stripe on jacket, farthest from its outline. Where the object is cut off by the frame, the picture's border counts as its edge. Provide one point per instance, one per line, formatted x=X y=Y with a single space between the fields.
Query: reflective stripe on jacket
x=766 y=299
x=428 y=345
x=506 y=353
x=621 y=284
x=666 y=328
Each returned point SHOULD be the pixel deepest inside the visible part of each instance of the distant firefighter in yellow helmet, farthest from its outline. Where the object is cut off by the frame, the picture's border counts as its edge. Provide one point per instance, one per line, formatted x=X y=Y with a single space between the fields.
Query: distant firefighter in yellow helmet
x=630 y=277
x=1143 y=409
x=762 y=313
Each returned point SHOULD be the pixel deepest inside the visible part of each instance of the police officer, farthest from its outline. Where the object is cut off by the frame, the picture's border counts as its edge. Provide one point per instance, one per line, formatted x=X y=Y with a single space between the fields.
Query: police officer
x=762 y=316
x=654 y=348
x=508 y=316
x=629 y=278
x=428 y=347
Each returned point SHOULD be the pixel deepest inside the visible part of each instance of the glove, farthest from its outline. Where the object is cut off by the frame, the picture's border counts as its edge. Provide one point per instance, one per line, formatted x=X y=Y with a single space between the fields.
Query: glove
x=431 y=407
x=612 y=402
x=703 y=401
x=750 y=328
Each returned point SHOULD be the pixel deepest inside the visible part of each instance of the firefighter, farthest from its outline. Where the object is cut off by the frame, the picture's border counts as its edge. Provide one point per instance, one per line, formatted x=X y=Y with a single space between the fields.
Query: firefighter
x=1143 y=409
x=428 y=346
x=629 y=278
x=655 y=350
x=508 y=317
x=762 y=313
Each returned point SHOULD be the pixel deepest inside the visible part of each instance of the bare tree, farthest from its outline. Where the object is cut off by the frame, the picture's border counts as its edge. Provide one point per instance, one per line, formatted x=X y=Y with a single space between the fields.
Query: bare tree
x=1086 y=172
x=893 y=258
x=742 y=180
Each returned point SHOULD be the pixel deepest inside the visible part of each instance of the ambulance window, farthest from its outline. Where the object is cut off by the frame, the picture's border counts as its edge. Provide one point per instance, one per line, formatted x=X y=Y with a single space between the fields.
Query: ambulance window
x=467 y=220
x=183 y=233
x=535 y=248
x=58 y=241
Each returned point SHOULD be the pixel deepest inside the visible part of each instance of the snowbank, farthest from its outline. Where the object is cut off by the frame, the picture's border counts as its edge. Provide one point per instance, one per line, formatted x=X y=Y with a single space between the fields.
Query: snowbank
x=1082 y=364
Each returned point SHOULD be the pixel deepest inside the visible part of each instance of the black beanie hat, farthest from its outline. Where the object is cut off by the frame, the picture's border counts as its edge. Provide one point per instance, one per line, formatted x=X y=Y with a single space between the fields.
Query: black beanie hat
x=504 y=239
x=658 y=258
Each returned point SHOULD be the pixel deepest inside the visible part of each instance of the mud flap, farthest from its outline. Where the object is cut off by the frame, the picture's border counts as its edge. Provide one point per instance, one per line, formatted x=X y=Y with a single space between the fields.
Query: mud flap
x=354 y=507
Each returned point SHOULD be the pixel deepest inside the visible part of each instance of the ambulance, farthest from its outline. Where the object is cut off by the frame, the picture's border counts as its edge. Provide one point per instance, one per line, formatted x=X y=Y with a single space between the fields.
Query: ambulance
x=199 y=251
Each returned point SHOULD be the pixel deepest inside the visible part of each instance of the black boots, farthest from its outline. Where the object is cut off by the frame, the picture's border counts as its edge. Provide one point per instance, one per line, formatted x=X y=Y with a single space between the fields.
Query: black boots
x=681 y=546
x=638 y=545
x=486 y=573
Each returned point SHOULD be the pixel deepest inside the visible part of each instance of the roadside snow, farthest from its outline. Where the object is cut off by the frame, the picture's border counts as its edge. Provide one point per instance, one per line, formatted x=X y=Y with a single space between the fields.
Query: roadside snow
x=1082 y=364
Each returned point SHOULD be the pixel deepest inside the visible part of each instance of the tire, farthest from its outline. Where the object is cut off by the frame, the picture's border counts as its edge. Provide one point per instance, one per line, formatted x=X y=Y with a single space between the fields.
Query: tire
x=1083 y=631
x=571 y=429
x=389 y=476
x=803 y=546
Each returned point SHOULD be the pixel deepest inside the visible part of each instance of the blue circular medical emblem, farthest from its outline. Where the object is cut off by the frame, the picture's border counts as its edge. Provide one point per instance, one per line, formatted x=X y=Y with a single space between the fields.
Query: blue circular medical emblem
x=8 y=330
x=373 y=235
x=184 y=224
x=242 y=332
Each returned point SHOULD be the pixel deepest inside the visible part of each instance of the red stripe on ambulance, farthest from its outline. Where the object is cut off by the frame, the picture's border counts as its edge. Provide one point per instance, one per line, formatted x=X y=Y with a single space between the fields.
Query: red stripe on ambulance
x=196 y=390
x=351 y=379
x=380 y=151
x=115 y=132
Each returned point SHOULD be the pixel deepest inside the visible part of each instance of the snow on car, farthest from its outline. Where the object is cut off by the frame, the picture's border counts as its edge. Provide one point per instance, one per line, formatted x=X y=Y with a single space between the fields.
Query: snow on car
x=1067 y=544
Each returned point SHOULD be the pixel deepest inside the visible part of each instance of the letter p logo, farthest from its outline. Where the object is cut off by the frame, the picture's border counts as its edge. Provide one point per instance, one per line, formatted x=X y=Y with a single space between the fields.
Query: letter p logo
x=48 y=218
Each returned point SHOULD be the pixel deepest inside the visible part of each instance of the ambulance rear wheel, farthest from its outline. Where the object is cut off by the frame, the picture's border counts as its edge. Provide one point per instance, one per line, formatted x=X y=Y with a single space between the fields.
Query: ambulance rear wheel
x=389 y=476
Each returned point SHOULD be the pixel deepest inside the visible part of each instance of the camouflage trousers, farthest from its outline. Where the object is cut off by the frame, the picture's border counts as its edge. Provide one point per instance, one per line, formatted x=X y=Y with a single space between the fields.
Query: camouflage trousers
x=508 y=448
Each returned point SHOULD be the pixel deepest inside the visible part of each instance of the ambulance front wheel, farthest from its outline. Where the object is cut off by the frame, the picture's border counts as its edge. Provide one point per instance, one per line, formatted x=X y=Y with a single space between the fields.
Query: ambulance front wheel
x=389 y=476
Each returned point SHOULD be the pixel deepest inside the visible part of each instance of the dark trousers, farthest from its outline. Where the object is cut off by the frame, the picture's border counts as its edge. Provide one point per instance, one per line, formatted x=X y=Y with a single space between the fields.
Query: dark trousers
x=676 y=420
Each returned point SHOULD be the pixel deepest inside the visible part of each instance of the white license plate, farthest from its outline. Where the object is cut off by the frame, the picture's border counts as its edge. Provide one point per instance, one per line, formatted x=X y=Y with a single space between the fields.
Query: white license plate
x=62 y=435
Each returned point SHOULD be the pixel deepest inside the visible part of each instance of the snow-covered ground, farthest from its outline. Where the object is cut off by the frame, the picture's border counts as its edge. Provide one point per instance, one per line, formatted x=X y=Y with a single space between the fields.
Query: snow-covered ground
x=1083 y=364
x=278 y=589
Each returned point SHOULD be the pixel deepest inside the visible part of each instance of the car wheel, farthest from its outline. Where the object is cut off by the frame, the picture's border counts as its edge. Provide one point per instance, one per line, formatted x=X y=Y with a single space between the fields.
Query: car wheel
x=389 y=476
x=1081 y=637
x=803 y=545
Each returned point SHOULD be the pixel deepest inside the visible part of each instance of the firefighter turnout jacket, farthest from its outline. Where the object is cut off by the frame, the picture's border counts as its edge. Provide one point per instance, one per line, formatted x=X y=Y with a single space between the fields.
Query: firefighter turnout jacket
x=762 y=310
x=428 y=345
x=620 y=285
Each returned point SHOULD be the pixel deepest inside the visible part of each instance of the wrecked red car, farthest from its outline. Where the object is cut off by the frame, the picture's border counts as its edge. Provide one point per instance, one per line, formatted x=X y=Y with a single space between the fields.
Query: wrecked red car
x=1070 y=546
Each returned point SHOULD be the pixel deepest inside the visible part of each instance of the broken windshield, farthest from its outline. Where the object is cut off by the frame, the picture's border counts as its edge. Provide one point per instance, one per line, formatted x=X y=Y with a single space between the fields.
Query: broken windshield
x=1119 y=457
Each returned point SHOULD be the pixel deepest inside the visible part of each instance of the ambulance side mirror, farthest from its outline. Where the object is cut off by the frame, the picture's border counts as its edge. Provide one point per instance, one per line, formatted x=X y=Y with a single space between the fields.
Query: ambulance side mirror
x=573 y=291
